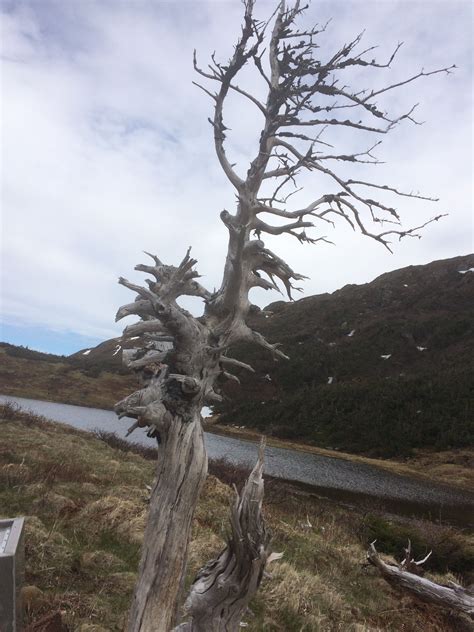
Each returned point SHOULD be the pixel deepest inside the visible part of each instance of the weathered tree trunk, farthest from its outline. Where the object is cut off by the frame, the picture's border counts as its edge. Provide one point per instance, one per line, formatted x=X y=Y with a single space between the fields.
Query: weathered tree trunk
x=222 y=590
x=453 y=597
x=182 y=468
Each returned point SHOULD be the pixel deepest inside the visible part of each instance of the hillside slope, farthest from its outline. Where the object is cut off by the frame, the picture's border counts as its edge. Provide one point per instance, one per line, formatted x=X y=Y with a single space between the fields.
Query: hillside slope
x=36 y=375
x=381 y=367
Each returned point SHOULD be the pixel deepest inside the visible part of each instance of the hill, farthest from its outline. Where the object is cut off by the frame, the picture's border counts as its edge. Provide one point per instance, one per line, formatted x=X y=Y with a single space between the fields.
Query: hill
x=68 y=380
x=379 y=368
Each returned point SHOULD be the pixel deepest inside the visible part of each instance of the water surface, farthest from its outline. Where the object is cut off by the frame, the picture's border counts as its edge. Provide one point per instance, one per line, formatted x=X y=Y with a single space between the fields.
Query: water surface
x=337 y=478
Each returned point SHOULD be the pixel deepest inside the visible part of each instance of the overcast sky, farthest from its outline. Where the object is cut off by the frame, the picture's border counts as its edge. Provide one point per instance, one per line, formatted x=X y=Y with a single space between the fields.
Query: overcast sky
x=107 y=151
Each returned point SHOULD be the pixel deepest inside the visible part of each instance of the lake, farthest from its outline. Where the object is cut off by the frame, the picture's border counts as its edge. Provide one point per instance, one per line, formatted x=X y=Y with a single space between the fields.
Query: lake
x=336 y=478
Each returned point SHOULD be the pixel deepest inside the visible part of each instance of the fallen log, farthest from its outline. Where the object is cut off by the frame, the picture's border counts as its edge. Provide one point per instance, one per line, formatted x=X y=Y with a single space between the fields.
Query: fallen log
x=407 y=576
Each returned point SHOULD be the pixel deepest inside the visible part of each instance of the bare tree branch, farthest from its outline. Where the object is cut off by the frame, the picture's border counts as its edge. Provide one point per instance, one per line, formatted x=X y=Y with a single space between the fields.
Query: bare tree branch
x=406 y=577
x=221 y=592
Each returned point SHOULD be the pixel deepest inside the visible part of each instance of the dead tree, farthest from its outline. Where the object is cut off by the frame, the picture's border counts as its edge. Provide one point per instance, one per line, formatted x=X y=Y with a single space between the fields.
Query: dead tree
x=306 y=98
x=407 y=576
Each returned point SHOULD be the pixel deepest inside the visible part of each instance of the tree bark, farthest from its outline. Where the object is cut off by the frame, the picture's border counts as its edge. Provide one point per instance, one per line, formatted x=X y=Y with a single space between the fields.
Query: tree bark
x=181 y=472
x=222 y=590
x=453 y=597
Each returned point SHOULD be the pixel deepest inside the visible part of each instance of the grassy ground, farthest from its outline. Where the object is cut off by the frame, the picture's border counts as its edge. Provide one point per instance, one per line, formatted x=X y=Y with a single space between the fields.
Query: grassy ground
x=86 y=503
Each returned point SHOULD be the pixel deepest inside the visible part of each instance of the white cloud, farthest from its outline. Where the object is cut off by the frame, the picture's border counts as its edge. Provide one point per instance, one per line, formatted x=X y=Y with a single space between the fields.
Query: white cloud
x=107 y=150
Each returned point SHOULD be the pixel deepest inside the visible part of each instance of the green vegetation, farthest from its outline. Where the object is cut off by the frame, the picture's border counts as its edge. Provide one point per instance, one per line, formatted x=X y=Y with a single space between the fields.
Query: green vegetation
x=86 y=503
x=30 y=354
x=381 y=369
x=420 y=397
x=89 y=366
x=450 y=552
x=453 y=467
x=385 y=417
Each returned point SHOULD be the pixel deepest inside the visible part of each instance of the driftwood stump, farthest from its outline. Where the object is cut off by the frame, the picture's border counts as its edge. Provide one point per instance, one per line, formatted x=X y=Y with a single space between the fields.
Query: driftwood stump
x=220 y=594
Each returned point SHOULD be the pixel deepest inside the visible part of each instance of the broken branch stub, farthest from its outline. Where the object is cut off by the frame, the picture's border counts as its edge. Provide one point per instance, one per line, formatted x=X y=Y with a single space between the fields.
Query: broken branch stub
x=219 y=597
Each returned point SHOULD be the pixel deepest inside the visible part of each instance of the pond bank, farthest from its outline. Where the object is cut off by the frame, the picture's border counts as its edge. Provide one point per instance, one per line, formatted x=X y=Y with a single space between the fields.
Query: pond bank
x=332 y=477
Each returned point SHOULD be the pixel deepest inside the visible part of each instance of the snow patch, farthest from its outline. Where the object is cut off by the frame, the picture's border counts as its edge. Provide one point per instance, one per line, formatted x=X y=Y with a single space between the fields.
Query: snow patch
x=386 y=357
x=330 y=380
x=464 y=271
x=405 y=285
x=86 y=352
x=117 y=350
x=267 y=377
x=134 y=338
x=351 y=333
x=422 y=348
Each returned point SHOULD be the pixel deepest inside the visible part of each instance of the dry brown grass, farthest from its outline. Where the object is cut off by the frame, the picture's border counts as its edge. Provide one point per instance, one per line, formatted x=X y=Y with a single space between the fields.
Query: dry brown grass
x=455 y=467
x=124 y=516
x=83 y=539
x=60 y=382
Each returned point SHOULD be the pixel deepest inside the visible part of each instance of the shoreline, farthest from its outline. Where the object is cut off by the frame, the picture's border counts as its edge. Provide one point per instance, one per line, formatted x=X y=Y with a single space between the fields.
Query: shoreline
x=391 y=465
x=458 y=477
x=453 y=511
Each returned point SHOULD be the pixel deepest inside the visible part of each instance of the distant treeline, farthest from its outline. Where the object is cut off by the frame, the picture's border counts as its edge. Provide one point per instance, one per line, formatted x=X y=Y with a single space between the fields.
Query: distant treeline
x=385 y=417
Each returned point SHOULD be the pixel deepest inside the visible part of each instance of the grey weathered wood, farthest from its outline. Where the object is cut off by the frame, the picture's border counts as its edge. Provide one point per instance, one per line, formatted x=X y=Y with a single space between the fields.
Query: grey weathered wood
x=453 y=597
x=181 y=471
x=303 y=98
x=220 y=594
